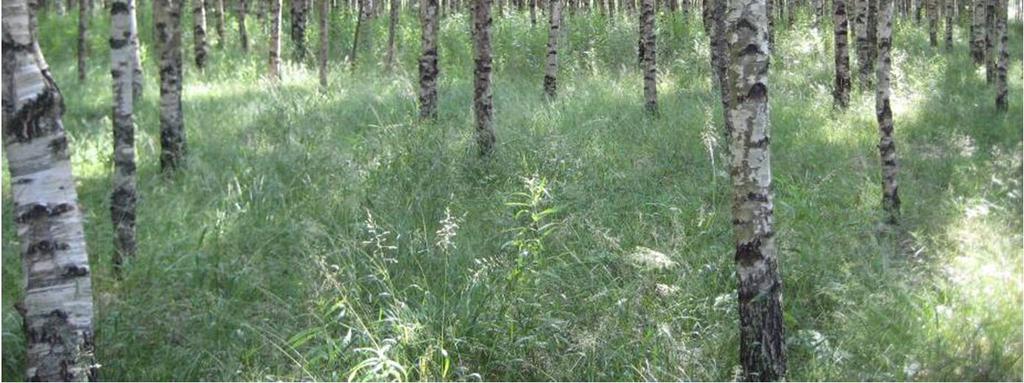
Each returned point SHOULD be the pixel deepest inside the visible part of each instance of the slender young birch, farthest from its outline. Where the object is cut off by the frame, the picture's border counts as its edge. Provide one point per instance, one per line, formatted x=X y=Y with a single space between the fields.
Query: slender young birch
x=218 y=17
x=978 y=31
x=389 y=58
x=933 y=22
x=84 y=16
x=274 y=63
x=949 y=24
x=122 y=199
x=1004 y=56
x=842 y=85
x=551 y=66
x=649 y=59
x=883 y=112
x=57 y=309
x=298 y=9
x=325 y=13
x=167 y=20
x=199 y=32
x=990 y=41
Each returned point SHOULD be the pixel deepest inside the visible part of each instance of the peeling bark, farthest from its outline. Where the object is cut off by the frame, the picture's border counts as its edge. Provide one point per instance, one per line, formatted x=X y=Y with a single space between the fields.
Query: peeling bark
x=762 y=343
x=842 y=85
x=883 y=112
x=428 y=59
x=57 y=309
x=482 y=104
x=551 y=66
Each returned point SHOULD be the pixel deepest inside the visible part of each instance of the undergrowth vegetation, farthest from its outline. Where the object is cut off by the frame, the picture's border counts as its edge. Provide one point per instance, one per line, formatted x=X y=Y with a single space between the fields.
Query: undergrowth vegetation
x=335 y=237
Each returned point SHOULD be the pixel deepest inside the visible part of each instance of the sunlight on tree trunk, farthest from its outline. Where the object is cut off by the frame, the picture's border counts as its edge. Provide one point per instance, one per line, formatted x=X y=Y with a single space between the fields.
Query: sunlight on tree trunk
x=122 y=200
x=883 y=111
x=167 y=18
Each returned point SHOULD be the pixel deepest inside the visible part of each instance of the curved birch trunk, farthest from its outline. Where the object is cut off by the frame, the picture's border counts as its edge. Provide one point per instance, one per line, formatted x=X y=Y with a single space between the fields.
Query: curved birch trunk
x=551 y=67
x=199 y=32
x=649 y=59
x=167 y=18
x=841 y=91
x=274 y=64
x=762 y=344
x=122 y=199
x=482 y=105
x=883 y=112
x=428 y=59
x=57 y=309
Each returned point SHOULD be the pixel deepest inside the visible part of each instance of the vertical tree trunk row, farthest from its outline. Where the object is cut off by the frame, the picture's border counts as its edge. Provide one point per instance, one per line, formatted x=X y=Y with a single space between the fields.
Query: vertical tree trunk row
x=428 y=59
x=551 y=67
x=762 y=342
x=199 y=32
x=167 y=17
x=841 y=92
x=274 y=62
x=649 y=59
x=883 y=112
x=483 y=106
x=57 y=310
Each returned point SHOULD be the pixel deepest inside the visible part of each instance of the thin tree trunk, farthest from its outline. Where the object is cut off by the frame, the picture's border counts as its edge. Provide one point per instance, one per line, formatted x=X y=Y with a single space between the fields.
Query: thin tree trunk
x=167 y=17
x=428 y=60
x=978 y=32
x=482 y=105
x=771 y=24
x=720 y=57
x=933 y=22
x=949 y=24
x=990 y=37
x=360 y=18
x=299 y=28
x=389 y=58
x=274 y=62
x=864 y=61
x=325 y=11
x=84 y=15
x=243 y=36
x=122 y=200
x=219 y=20
x=57 y=310
x=1004 y=56
x=762 y=344
x=533 y=12
x=883 y=111
x=551 y=67
x=199 y=32
x=841 y=93
x=137 y=75
x=649 y=56
x=872 y=34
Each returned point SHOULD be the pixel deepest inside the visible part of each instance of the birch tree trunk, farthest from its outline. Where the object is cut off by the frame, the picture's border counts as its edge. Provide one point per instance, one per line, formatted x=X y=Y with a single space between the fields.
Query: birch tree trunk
x=1004 y=56
x=551 y=66
x=298 y=29
x=428 y=59
x=122 y=199
x=933 y=22
x=57 y=310
x=218 y=16
x=361 y=16
x=167 y=17
x=949 y=24
x=872 y=28
x=883 y=112
x=84 y=15
x=274 y=62
x=325 y=12
x=864 y=62
x=199 y=32
x=841 y=91
x=137 y=75
x=720 y=57
x=389 y=58
x=990 y=40
x=243 y=35
x=647 y=41
x=762 y=344
x=482 y=104
x=978 y=31
x=533 y=12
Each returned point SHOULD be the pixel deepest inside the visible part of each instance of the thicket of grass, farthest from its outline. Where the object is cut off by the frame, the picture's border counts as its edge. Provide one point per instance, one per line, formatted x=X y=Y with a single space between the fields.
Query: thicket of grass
x=336 y=237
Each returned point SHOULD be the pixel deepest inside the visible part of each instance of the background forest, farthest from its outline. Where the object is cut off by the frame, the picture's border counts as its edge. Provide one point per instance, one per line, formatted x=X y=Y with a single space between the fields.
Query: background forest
x=336 y=236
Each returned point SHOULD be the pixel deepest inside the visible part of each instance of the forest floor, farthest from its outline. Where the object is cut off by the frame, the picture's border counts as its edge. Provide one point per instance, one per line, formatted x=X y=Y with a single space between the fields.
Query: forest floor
x=333 y=236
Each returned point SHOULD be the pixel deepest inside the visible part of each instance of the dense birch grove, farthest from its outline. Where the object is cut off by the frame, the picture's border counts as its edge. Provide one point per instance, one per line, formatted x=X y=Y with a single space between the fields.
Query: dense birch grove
x=720 y=55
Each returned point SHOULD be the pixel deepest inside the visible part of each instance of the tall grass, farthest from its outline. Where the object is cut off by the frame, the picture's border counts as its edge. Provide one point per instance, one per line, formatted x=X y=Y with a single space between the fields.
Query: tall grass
x=335 y=237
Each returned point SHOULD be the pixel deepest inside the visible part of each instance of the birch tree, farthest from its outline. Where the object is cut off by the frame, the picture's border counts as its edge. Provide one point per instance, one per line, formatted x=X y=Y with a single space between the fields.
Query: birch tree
x=298 y=28
x=84 y=16
x=1004 y=56
x=243 y=35
x=428 y=59
x=551 y=65
x=842 y=84
x=978 y=31
x=389 y=57
x=883 y=113
x=199 y=32
x=167 y=20
x=648 y=59
x=274 y=65
x=482 y=103
x=57 y=309
x=762 y=344
x=325 y=11
x=949 y=23
x=122 y=199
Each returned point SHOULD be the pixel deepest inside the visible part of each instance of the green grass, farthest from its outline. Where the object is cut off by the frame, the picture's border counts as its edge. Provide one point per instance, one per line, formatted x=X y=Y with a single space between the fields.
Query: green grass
x=305 y=240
